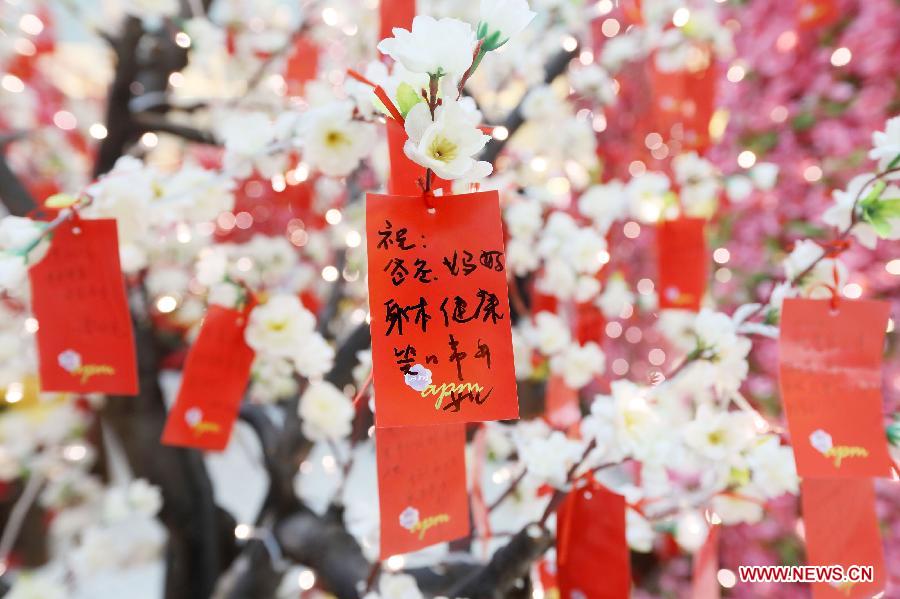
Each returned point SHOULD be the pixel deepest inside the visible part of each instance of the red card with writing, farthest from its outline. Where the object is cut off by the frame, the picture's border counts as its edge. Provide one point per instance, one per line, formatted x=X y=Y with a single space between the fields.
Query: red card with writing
x=85 y=341
x=422 y=493
x=704 y=581
x=441 y=341
x=842 y=529
x=215 y=375
x=405 y=174
x=830 y=364
x=592 y=555
x=395 y=13
x=682 y=260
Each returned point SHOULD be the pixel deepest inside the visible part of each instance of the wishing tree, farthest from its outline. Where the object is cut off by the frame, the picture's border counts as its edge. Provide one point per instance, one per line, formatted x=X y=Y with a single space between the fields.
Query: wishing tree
x=399 y=299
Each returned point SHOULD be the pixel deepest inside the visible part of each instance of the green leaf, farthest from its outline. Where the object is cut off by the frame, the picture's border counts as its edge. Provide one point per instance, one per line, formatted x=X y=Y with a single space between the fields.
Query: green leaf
x=60 y=200
x=880 y=224
x=889 y=208
x=407 y=98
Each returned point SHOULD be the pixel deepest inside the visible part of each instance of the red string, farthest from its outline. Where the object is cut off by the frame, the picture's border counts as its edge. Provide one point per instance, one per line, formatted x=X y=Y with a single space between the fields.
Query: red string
x=362 y=390
x=380 y=94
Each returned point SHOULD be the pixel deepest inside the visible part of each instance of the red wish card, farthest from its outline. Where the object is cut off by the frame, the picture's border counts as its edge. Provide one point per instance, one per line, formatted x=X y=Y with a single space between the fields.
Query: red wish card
x=842 y=530
x=683 y=103
x=441 y=341
x=830 y=363
x=561 y=408
x=405 y=176
x=682 y=259
x=704 y=580
x=215 y=375
x=85 y=341
x=591 y=549
x=395 y=13
x=816 y=13
x=422 y=493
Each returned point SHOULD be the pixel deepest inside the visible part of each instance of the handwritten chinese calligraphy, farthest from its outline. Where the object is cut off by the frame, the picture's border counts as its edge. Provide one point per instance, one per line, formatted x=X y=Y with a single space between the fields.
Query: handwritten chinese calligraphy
x=442 y=348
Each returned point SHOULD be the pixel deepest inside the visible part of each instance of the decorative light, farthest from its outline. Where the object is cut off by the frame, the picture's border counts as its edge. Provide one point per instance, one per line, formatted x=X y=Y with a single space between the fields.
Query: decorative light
x=176 y=79
x=723 y=275
x=150 y=139
x=841 y=57
x=586 y=57
x=74 y=452
x=893 y=267
x=853 y=290
x=779 y=114
x=736 y=73
x=613 y=330
x=31 y=325
x=166 y=304
x=681 y=17
x=500 y=133
x=631 y=229
x=12 y=84
x=721 y=255
x=746 y=159
x=306 y=579
x=65 y=120
x=620 y=366
x=31 y=24
x=726 y=578
x=598 y=123
x=653 y=140
x=645 y=286
x=786 y=41
x=330 y=273
x=24 y=47
x=14 y=392
x=352 y=239
x=333 y=216
x=569 y=43
x=637 y=168
x=610 y=27
x=538 y=164
x=656 y=357
x=396 y=562
x=243 y=531
x=243 y=220
x=183 y=39
x=98 y=131
x=812 y=173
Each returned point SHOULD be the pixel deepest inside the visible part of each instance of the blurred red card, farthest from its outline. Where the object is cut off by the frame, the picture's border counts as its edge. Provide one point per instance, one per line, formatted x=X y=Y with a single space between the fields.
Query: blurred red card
x=842 y=530
x=682 y=259
x=441 y=341
x=830 y=362
x=85 y=341
x=561 y=407
x=302 y=65
x=215 y=376
x=704 y=580
x=422 y=493
x=683 y=103
x=816 y=13
x=592 y=555
x=395 y=13
x=405 y=175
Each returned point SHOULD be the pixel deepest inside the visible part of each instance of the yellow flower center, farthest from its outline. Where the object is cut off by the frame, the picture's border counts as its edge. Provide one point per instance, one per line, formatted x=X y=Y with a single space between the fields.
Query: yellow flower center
x=336 y=138
x=443 y=149
x=716 y=437
x=277 y=326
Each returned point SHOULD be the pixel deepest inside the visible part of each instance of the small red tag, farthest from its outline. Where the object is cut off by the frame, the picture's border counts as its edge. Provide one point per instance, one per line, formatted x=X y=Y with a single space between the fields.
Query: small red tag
x=816 y=13
x=85 y=341
x=406 y=175
x=215 y=375
x=302 y=65
x=441 y=340
x=830 y=362
x=685 y=100
x=592 y=554
x=704 y=581
x=842 y=530
x=561 y=404
x=422 y=493
x=682 y=258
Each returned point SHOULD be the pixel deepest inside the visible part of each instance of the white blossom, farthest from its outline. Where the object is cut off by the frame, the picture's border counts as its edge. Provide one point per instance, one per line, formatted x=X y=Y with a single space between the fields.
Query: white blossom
x=326 y=412
x=447 y=145
x=886 y=144
x=438 y=47
x=501 y=20
x=279 y=326
x=579 y=364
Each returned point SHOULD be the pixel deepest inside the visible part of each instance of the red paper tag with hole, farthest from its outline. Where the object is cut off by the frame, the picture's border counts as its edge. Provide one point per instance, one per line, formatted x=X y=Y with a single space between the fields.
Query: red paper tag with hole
x=682 y=259
x=704 y=581
x=422 y=493
x=212 y=386
x=85 y=340
x=592 y=555
x=441 y=341
x=830 y=362
x=841 y=529
x=406 y=176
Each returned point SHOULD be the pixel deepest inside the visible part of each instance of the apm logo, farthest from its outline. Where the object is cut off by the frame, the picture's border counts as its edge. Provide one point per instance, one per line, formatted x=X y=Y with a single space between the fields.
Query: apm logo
x=824 y=444
x=70 y=361
x=409 y=519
